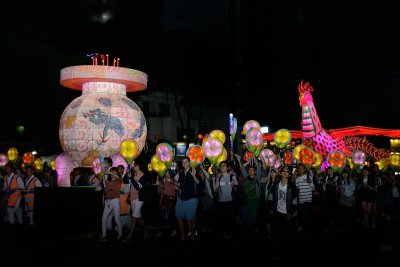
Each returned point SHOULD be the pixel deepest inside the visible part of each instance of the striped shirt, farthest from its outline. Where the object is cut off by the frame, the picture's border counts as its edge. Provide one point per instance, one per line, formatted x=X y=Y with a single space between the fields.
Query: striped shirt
x=305 y=189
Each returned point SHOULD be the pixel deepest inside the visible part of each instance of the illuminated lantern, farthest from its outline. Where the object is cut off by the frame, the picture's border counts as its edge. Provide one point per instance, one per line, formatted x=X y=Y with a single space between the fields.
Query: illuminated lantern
x=3 y=160
x=288 y=158
x=254 y=141
x=196 y=155
x=337 y=160
x=12 y=154
x=358 y=157
x=64 y=166
x=53 y=164
x=213 y=148
x=129 y=149
x=250 y=124
x=158 y=166
x=165 y=153
x=199 y=136
x=318 y=160
x=97 y=166
x=221 y=158
x=307 y=157
x=282 y=137
x=38 y=164
x=395 y=161
x=27 y=158
x=149 y=168
x=21 y=129
x=247 y=155
x=296 y=151
x=94 y=124
x=118 y=159
x=266 y=156
x=382 y=164
x=220 y=135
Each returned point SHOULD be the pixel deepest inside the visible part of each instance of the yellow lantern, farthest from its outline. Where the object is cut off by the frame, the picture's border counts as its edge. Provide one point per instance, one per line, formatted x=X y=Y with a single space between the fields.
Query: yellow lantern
x=158 y=166
x=38 y=164
x=129 y=149
x=218 y=134
x=12 y=154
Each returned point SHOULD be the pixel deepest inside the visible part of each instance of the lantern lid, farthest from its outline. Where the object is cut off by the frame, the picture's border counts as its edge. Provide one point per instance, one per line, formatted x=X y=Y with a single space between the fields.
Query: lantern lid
x=75 y=76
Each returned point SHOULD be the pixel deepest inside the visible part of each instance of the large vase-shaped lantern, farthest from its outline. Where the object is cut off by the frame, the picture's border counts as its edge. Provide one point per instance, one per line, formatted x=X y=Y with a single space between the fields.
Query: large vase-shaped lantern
x=96 y=123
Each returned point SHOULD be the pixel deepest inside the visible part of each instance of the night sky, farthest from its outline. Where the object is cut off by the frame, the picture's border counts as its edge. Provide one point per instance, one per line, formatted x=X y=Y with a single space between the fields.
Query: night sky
x=251 y=62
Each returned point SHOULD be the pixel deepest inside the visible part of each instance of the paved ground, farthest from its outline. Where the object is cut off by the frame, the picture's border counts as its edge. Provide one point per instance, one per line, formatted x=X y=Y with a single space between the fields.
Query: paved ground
x=71 y=247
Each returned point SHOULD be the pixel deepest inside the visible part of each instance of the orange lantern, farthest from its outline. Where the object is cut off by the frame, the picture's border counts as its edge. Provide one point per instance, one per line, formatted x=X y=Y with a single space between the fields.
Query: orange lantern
x=196 y=155
x=288 y=158
x=27 y=158
x=307 y=156
x=337 y=160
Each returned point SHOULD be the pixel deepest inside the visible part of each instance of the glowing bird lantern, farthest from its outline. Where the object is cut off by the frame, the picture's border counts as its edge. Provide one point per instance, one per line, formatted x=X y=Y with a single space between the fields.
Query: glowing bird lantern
x=282 y=137
x=129 y=149
x=165 y=153
x=158 y=166
x=221 y=158
x=95 y=124
x=3 y=160
x=27 y=158
x=250 y=124
x=38 y=164
x=12 y=154
x=196 y=155
x=337 y=160
x=218 y=134
x=254 y=141
x=213 y=148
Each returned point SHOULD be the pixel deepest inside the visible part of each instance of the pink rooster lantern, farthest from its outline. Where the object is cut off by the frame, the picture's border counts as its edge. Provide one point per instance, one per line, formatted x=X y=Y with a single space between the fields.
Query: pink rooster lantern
x=94 y=124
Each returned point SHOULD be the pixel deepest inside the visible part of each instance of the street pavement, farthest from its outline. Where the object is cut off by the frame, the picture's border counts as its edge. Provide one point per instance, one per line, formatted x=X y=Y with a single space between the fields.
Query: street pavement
x=63 y=246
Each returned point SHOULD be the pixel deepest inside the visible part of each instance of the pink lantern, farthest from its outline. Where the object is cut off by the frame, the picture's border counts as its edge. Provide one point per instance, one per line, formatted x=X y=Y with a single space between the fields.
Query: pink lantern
x=165 y=153
x=213 y=148
x=358 y=157
x=250 y=124
x=3 y=160
x=64 y=166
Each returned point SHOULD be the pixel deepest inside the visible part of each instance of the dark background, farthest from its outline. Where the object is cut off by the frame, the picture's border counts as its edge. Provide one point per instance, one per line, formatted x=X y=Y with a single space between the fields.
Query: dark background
x=249 y=55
